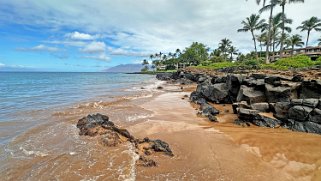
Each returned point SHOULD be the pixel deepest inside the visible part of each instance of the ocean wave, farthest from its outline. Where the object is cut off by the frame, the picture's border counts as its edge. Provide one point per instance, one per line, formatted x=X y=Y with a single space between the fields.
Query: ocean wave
x=35 y=153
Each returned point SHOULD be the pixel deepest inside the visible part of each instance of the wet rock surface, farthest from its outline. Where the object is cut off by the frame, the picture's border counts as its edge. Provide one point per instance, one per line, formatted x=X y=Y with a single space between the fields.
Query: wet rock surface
x=294 y=101
x=98 y=125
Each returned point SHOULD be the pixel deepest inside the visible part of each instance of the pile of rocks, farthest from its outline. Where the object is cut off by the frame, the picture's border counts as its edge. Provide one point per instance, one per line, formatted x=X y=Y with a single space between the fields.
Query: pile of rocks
x=109 y=134
x=295 y=102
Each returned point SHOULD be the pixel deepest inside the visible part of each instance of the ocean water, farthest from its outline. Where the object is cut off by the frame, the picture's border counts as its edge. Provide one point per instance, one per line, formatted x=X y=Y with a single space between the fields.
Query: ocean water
x=38 y=114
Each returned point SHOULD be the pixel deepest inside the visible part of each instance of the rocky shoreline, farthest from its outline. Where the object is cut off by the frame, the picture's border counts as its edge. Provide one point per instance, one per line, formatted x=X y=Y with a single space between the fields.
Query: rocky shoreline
x=293 y=98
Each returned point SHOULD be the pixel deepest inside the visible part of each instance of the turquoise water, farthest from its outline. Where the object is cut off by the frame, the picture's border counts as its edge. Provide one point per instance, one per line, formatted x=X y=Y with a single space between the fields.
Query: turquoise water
x=21 y=94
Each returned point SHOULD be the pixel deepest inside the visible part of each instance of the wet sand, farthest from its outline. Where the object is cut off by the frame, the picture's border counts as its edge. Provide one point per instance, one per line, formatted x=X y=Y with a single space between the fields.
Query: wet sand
x=224 y=151
x=203 y=150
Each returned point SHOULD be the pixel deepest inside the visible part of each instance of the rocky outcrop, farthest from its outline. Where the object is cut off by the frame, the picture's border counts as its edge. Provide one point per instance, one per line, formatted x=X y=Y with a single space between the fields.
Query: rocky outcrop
x=294 y=101
x=108 y=134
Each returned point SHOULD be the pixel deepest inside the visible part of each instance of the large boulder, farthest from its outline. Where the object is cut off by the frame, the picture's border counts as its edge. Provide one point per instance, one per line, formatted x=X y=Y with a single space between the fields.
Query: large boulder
x=277 y=94
x=93 y=125
x=315 y=116
x=233 y=83
x=281 y=110
x=310 y=89
x=214 y=92
x=300 y=113
x=273 y=80
x=197 y=98
x=250 y=95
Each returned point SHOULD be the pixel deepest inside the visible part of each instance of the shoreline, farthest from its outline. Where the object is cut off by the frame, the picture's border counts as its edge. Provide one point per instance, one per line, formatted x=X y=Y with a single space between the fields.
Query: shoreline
x=202 y=150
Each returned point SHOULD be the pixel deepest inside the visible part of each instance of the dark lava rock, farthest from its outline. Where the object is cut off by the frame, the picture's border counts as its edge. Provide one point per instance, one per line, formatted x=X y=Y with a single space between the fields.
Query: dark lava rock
x=197 y=98
x=216 y=93
x=218 y=80
x=145 y=162
x=250 y=95
x=252 y=116
x=109 y=139
x=156 y=146
x=300 y=113
x=277 y=94
x=276 y=81
x=92 y=124
x=233 y=84
x=308 y=127
x=297 y=78
x=315 y=116
x=313 y=103
x=310 y=89
x=263 y=106
x=208 y=109
x=281 y=110
x=164 y=76
x=258 y=76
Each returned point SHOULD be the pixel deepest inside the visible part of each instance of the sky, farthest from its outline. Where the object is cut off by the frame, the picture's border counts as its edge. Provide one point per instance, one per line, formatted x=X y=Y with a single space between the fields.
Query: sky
x=82 y=35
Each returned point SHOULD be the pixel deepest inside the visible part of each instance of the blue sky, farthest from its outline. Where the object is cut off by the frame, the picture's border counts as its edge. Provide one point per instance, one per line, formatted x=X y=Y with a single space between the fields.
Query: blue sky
x=79 y=35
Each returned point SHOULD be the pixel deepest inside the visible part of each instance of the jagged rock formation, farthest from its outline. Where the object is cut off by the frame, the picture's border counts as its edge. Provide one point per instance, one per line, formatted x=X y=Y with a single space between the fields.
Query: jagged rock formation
x=294 y=101
x=98 y=125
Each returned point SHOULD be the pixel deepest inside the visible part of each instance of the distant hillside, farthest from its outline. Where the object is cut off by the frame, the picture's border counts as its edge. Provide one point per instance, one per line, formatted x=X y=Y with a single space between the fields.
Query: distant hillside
x=125 y=68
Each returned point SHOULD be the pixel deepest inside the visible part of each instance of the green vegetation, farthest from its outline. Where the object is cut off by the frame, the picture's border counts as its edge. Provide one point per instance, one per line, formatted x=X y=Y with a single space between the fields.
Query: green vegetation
x=274 y=34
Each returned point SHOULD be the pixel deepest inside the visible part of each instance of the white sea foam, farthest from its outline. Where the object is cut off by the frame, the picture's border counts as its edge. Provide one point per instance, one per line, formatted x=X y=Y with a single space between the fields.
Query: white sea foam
x=137 y=116
x=35 y=153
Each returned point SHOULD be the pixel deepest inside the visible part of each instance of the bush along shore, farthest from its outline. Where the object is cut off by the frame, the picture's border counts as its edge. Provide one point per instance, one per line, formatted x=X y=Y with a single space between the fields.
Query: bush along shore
x=293 y=97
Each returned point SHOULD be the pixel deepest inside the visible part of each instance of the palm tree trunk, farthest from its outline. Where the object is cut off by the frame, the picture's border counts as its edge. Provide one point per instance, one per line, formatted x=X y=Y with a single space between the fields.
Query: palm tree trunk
x=283 y=27
x=254 y=40
x=267 y=56
x=261 y=49
x=306 y=45
x=292 y=52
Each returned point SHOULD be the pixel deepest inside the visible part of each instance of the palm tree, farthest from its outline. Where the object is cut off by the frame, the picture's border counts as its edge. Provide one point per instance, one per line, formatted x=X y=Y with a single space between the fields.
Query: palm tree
x=151 y=57
x=261 y=38
x=319 y=41
x=308 y=25
x=232 y=51
x=282 y=4
x=294 y=41
x=252 y=24
x=270 y=7
x=224 y=46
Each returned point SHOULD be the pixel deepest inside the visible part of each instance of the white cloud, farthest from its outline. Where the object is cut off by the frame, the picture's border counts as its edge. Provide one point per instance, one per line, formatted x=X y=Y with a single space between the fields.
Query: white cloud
x=40 y=48
x=2 y=65
x=151 y=26
x=101 y=57
x=94 y=47
x=80 y=36
x=125 y=52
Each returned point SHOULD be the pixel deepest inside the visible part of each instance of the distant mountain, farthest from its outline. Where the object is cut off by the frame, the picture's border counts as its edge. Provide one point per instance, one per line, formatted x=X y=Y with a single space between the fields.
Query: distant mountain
x=125 y=68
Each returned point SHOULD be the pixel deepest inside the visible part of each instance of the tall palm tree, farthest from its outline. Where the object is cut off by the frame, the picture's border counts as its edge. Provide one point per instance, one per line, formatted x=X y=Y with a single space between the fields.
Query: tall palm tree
x=282 y=4
x=252 y=24
x=261 y=39
x=308 y=25
x=294 y=41
x=269 y=7
x=232 y=51
x=319 y=41
x=224 y=45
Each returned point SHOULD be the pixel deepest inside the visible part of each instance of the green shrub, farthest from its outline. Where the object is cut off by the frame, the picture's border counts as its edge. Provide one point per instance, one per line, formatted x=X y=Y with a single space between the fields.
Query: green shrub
x=300 y=61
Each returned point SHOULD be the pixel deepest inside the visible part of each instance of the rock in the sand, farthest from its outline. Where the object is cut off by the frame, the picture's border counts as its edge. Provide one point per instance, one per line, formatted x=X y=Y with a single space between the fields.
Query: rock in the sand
x=310 y=89
x=253 y=116
x=110 y=139
x=155 y=146
x=308 y=127
x=214 y=92
x=145 y=162
x=281 y=110
x=300 y=113
x=197 y=98
x=93 y=124
x=277 y=94
x=208 y=109
x=250 y=95
x=263 y=106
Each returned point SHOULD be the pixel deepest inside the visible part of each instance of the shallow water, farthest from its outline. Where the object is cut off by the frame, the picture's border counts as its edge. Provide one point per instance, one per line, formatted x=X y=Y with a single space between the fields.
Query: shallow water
x=38 y=114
